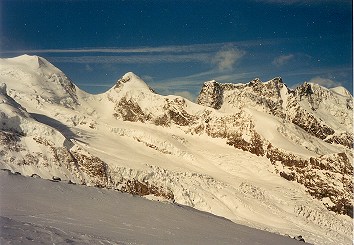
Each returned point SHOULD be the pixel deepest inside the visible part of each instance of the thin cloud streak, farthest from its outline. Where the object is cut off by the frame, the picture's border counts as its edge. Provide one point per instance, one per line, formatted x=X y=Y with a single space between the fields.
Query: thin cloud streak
x=282 y=60
x=197 y=79
x=208 y=47
x=135 y=59
x=186 y=94
x=189 y=86
x=162 y=49
x=223 y=58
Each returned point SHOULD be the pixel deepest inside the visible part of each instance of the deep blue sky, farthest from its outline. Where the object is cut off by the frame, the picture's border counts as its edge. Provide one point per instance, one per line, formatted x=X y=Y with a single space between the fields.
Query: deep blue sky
x=177 y=45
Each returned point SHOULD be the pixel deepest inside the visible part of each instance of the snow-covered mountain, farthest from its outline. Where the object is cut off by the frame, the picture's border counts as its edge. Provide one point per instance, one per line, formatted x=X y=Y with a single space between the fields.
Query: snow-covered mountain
x=295 y=127
x=32 y=146
x=260 y=154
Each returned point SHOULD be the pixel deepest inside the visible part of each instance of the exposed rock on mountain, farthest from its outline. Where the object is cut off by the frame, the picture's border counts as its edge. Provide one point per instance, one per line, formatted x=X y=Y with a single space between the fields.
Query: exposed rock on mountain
x=260 y=154
x=211 y=95
x=322 y=113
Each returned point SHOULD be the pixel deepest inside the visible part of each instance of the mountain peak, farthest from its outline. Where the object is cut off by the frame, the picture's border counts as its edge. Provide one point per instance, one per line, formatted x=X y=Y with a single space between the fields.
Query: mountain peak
x=211 y=94
x=304 y=89
x=276 y=80
x=254 y=82
x=131 y=75
x=132 y=81
x=35 y=62
x=31 y=60
x=211 y=82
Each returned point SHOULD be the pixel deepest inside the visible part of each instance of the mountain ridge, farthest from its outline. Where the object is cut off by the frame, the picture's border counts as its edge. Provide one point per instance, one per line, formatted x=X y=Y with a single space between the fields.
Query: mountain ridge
x=132 y=139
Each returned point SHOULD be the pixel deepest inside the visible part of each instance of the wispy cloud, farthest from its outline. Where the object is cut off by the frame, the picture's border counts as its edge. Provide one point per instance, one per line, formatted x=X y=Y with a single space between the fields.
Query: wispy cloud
x=222 y=56
x=88 y=68
x=127 y=50
x=282 y=60
x=194 y=81
x=186 y=94
x=195 y=48
x=226 y=58
x=328 y=83
x=178 y=84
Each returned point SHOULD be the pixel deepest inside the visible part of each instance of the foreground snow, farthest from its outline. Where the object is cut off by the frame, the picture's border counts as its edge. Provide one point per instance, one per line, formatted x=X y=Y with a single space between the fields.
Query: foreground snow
x=36 y=211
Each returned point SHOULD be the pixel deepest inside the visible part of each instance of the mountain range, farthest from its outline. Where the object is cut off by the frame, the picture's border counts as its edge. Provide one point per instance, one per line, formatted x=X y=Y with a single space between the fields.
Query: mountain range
x=259 y=153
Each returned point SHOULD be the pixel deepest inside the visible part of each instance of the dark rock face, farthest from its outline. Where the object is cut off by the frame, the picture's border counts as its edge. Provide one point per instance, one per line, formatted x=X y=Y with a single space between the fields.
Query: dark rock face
x=304 y=90
x=93 y=167
x=129 y=110
x=320 y=175
x=312 y=125
x=255 y=146
x=288 y=176
x=211 y=95
x=345 y=139
x=174 y=111
x=136 y=187
x=11 y=141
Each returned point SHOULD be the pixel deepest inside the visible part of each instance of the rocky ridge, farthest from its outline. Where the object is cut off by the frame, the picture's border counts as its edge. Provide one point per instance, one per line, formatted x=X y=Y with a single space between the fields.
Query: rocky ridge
x=319 y=173
x=301 y=135
x=228 y=118
x=306 y=107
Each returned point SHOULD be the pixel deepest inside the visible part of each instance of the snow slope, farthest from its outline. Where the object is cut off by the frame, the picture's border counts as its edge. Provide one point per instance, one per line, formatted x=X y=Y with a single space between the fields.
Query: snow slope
x=36 y=211
x=280 y=178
